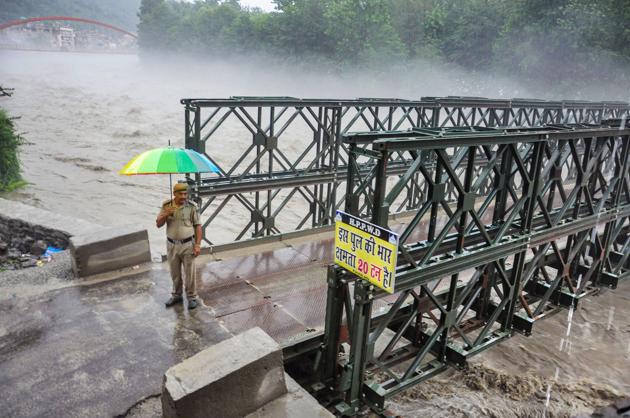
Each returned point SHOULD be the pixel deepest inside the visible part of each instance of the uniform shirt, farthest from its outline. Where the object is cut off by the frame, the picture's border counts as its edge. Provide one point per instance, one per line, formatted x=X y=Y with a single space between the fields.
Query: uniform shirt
x=181 y=224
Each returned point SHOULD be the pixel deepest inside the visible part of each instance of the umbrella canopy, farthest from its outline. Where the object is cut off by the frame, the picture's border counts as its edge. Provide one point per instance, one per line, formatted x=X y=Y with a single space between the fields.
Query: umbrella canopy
x=169 y=160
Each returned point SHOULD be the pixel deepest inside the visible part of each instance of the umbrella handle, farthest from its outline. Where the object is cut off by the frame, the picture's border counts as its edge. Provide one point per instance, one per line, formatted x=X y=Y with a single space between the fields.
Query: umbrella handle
x=170 y=183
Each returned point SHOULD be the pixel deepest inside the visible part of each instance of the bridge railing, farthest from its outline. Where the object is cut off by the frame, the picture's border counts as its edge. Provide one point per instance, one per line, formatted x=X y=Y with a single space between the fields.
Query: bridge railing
x=473 y=269
x=283 y=163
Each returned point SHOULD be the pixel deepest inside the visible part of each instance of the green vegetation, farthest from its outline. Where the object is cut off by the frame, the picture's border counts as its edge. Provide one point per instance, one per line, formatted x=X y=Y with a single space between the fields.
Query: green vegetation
x=10 y=178
x=561 y=42
x=121 y=13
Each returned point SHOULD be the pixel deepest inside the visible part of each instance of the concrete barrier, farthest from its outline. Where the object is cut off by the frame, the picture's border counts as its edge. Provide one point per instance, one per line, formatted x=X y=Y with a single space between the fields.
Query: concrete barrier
x=230 y=379
x=109 y=249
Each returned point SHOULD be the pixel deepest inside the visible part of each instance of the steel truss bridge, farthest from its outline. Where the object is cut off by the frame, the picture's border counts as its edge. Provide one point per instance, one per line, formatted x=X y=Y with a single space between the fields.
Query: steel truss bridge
x=287 y=169
x=513 y=210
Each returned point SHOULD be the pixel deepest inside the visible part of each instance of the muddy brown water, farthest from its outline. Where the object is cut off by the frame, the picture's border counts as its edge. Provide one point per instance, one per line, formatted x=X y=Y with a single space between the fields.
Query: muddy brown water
x=572 y=362
x=85 y=115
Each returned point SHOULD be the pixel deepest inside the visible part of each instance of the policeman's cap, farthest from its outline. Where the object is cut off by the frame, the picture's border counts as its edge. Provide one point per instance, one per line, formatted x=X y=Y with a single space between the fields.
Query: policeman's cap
x=180 y=187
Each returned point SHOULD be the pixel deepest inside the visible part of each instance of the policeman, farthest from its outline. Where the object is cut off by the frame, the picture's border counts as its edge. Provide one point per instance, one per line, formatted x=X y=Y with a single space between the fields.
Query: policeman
x=183 y=236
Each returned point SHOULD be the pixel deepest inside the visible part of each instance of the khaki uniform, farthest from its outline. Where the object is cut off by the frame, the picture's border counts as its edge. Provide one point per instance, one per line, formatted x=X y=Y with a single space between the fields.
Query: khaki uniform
x=180 y=226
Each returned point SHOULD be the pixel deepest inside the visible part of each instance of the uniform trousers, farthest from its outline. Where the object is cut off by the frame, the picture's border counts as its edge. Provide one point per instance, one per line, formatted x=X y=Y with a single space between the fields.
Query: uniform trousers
x=180 y=256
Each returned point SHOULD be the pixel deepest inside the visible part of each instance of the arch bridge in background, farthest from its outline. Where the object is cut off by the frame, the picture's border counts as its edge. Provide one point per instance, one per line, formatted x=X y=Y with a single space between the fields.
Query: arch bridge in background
x=19 y=22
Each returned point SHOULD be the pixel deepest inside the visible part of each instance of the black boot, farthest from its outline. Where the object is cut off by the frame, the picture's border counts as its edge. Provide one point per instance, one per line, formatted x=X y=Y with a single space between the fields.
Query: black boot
x=174 y=300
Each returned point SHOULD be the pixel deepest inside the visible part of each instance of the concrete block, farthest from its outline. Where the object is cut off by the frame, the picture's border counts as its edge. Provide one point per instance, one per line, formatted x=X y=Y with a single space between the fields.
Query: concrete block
x=297 y=402
x=109 y=249
x=230 y=379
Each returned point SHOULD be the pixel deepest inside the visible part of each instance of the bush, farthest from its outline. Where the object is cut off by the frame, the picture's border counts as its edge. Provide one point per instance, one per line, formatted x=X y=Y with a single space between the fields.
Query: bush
x=10 y=177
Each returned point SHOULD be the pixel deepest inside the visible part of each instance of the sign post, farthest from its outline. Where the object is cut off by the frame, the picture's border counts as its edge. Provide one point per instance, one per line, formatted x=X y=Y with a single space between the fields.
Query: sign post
x=366 y=249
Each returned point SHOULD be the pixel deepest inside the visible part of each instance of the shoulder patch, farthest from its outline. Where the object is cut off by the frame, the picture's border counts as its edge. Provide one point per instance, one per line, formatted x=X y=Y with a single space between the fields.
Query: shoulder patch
x=166 y=202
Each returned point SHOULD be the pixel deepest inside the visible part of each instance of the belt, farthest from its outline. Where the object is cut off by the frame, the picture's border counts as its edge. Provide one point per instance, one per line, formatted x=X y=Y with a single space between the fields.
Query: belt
x=179 y=241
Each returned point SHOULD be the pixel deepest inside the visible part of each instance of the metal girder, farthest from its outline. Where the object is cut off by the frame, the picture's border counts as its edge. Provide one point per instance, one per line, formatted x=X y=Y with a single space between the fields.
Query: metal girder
x=537 y=219
x=282 y=159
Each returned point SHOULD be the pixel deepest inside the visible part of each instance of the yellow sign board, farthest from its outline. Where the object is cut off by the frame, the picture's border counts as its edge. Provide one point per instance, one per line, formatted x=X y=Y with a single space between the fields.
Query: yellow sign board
x=367 y=250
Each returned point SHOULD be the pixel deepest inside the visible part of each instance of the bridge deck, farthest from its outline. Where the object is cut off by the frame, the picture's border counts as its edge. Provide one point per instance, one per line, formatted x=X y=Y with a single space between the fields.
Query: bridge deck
x=110 y=340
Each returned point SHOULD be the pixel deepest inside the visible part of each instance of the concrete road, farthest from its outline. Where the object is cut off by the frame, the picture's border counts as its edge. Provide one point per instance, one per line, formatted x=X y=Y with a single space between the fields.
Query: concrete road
x=98 y=348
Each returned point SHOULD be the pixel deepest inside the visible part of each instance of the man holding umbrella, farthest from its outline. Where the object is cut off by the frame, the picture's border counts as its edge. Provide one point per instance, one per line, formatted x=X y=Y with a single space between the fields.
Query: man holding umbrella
x=183 y=236
x=183 y=228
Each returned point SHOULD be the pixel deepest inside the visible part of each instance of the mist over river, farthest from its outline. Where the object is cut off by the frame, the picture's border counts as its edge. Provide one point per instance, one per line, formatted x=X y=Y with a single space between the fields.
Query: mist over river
x=84 y=115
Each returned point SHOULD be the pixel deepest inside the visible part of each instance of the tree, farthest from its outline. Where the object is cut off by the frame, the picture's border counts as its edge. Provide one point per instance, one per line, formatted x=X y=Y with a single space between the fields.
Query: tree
x=551 y=43
x=156 y=18
x=361 y=31
x=10 y=177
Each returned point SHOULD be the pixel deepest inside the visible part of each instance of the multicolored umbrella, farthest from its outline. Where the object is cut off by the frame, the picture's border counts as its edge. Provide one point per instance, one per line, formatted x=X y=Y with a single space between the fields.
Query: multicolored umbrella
x=169 y=161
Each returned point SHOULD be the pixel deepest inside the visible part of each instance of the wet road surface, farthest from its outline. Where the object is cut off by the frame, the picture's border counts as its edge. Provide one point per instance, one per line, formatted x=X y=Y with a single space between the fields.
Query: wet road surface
x=97 y=349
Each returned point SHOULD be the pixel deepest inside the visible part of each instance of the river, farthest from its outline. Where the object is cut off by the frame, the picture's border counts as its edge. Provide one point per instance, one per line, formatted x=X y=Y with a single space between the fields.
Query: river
x=84 y=115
